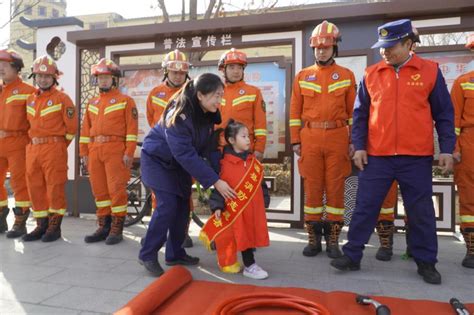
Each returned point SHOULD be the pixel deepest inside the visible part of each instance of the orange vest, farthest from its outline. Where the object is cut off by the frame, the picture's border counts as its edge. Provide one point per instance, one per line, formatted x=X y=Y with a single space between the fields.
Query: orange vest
x=13 y=98
x=321 y=94
x=244 y=103
x=51 y=113
x=462 y=95
x=157 y=101
x=400 y=119
x=110 y=114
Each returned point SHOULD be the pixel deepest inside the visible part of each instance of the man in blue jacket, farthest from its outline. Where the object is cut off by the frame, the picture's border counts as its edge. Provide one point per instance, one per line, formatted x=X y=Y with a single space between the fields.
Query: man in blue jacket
x=397 y=102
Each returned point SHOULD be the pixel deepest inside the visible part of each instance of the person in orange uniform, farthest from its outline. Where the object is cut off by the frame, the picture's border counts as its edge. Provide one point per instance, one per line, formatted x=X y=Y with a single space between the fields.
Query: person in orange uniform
x=176 y=68
x=107 y=144
x=320 y=117
x=243 y=102
x=13 y=141
x=462 y=94
x=53 y=123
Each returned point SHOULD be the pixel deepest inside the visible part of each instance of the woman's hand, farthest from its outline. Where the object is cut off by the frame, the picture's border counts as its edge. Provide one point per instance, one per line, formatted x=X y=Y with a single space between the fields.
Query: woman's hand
x=224 y=189
x=218 y=214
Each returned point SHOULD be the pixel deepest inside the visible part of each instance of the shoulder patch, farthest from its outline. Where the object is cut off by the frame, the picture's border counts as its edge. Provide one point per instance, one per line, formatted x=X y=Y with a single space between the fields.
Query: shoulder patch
x=264 y=106
x=70 y=112
x=134 y=113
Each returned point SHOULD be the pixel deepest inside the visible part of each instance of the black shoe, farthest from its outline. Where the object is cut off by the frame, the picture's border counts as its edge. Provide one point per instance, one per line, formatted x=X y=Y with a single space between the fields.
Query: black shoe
x=51 y=236
x=186 y=261
x=429 y=272
x=312 y=250
x=153 y=267
x=333 y=251
x=384 y=254
x=188 y=242
x=345 y=263
x=468 y=261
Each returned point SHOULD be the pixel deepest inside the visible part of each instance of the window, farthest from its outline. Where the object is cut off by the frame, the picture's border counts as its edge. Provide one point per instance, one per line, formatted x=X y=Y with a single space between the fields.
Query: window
x=55 y=13
x=98 y=25
x=41 y=11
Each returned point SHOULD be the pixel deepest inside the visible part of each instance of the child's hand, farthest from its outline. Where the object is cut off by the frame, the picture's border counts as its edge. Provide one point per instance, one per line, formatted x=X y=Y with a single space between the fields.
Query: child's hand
x=218 y=214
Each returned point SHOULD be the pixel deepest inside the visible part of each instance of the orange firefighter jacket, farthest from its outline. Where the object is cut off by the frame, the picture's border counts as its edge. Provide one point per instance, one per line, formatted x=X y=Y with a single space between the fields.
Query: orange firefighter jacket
x=110 y=114
x=13 y=98
x=244 y=103
x=157 y=101
x=51 y=113
x=462 y=95
x=321 y=94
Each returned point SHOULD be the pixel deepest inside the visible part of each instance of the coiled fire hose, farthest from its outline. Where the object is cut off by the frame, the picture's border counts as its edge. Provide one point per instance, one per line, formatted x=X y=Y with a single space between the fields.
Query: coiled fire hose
x=246 y=302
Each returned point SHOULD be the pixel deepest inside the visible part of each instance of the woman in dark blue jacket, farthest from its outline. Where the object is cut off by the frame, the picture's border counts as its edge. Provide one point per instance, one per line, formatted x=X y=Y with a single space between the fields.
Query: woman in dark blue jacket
x=173 y=152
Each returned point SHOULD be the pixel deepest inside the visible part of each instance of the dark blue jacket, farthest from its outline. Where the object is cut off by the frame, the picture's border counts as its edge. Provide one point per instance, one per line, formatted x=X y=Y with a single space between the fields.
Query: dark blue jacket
x=171 y=156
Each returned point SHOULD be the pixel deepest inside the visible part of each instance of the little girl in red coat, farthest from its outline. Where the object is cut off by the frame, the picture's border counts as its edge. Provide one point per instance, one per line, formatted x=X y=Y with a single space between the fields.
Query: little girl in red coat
x=249 y=230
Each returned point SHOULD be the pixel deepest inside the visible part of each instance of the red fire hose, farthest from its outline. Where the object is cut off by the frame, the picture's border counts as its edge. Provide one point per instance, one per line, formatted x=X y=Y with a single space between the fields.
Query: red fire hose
x=245 y=302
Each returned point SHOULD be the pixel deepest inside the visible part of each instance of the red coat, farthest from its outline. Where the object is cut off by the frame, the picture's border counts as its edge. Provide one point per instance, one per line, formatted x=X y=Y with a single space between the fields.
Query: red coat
x=250 y=228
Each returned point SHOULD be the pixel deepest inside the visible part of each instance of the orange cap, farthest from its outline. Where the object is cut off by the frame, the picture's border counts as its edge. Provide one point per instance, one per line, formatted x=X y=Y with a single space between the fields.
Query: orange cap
x=45 y=65
x=105 y=66
x=325 y=34
x=232 y=56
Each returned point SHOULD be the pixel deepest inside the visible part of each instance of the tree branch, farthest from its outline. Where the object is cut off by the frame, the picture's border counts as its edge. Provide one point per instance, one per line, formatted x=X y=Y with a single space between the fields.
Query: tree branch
x=162 y=6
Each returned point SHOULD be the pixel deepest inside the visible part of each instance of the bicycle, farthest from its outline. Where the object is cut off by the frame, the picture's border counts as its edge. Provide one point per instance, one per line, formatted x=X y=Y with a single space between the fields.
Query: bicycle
x=140 y=199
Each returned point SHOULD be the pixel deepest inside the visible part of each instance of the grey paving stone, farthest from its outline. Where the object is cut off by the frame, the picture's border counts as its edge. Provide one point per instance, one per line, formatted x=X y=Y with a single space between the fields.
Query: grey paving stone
x=28 y=273
x=88 y=299
x=8 y=307
x=93 y=279
x=29 y=291
x=83 y=262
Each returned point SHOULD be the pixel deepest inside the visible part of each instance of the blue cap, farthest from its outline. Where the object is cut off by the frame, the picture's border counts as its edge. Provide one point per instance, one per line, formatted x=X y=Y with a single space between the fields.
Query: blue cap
x=391 y=33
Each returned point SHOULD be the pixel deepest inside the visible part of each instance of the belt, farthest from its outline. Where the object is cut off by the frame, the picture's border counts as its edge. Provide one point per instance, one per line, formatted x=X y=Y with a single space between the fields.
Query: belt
x=6 y=134
x=43 y=140
x=104 y=139
x=325 y=124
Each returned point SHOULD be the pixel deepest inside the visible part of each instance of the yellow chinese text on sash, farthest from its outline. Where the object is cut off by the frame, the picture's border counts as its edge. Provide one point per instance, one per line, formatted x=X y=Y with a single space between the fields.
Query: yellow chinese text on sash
x=245 y=190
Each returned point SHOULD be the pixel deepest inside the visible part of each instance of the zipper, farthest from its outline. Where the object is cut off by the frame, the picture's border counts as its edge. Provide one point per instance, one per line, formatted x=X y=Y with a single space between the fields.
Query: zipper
x=397 y=76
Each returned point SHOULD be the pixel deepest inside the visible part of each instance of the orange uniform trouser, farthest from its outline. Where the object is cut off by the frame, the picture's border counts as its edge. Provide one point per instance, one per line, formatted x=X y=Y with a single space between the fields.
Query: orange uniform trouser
x=13 y=159
x=46 y=176
x=109 y=177
x=226 y=249
x=464 y=178
x=387 y=213
x=324 y=164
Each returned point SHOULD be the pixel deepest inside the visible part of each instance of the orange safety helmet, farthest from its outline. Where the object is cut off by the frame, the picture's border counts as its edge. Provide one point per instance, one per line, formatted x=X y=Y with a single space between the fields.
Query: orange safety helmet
x=232 y=56
x=106 y=66
x=470 y=41
x=45 y=65
x=325 y=34
x=12 y=57
x=175 y=61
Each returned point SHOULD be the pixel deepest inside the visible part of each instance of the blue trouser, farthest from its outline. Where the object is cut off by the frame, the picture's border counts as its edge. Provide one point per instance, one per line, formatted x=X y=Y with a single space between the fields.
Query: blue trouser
x=414 y=175
x=169 y=220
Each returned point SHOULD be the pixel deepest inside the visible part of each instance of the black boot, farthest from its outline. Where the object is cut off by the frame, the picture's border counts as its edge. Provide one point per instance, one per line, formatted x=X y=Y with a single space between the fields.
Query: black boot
x=344 y=263
x=468 y=235
x=315 y=232
x=19 y=227
x=428 y=272
x=385 y=230
x=38 y=232
x=3 y=219
x=332 y=230
x=54 y=228
x=102 y=232
x=115 y=235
